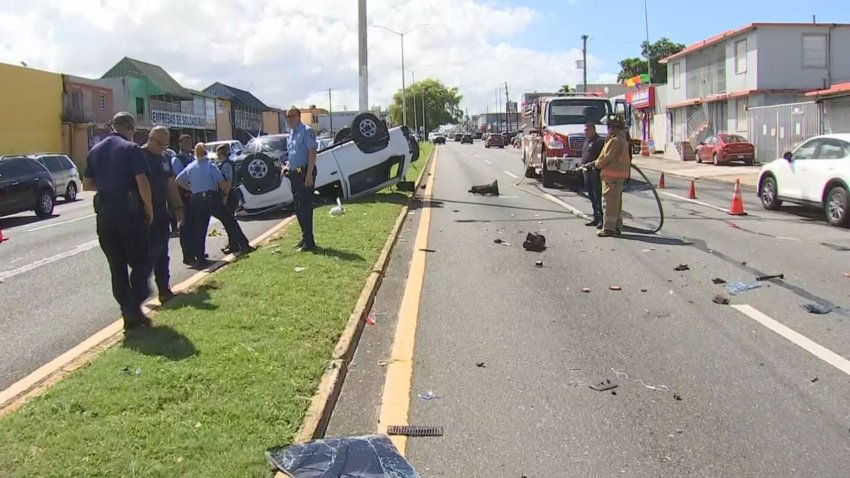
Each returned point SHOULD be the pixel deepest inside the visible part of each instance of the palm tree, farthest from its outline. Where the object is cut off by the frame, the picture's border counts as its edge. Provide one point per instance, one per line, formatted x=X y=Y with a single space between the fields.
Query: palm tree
x=567 y=89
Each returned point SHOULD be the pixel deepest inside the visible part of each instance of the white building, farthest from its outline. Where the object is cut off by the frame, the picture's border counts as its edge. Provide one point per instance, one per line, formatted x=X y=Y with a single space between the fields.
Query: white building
x=710 y=84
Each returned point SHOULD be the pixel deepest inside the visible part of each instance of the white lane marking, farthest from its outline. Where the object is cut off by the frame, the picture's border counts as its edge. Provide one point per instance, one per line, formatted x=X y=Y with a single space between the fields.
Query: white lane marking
x=78 y=249
x=798 y=339
x=510 y=174
x=488 y=162
x=38 y=228
x=683 y=198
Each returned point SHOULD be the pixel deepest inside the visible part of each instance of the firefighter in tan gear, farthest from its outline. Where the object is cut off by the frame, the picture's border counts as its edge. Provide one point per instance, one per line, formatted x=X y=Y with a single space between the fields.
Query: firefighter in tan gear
x=613 y=165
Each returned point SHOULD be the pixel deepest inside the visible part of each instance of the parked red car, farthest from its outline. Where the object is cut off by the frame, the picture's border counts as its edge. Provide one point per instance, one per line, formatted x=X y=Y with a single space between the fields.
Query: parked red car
x=725 y=148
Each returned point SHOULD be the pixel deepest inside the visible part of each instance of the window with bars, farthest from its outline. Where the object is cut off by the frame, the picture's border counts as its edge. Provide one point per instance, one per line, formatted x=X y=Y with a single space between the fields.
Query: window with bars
x=101 y=101
x=814 y=50
x=742 y=114
x=677 y=83
x=741 y=56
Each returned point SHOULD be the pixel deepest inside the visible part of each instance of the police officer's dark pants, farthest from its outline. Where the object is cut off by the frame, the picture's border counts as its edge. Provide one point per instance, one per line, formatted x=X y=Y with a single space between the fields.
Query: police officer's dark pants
x=186 y=230
x=303 y=206
x=593 y=186
x=200 y=210
x=123 y=237
x=158 y=260
x=236 y=239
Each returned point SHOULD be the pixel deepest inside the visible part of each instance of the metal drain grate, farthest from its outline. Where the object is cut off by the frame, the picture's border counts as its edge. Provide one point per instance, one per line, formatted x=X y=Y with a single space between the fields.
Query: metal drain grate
x=415 y=431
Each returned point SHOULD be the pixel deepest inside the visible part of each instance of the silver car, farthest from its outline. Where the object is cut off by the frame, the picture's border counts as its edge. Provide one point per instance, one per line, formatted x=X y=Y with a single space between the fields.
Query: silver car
x=63 y=171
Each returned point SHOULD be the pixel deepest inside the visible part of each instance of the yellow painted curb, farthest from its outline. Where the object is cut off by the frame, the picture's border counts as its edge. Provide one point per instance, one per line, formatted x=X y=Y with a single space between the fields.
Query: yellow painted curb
x=54 y=371
x=324 y=400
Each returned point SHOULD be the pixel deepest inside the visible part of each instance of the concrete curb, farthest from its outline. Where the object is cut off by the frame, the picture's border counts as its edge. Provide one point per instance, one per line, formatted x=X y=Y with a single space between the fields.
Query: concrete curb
x=324 y=400
x=57 y=369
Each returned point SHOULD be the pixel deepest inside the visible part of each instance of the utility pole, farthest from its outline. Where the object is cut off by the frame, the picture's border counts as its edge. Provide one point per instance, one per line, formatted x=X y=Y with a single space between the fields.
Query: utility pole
x=330 y=112
x=424 y=128
x=507 y=107
x=584 y=60
x=415 y=120
x=648 y=59
x=363 y=56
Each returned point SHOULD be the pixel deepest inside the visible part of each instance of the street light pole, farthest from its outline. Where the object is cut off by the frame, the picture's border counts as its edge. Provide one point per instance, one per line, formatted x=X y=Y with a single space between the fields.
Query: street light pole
x=403 y=86
x=584 y=59
x=330 y=112
x=363 y=56
x=415 y=120
x=648 y=59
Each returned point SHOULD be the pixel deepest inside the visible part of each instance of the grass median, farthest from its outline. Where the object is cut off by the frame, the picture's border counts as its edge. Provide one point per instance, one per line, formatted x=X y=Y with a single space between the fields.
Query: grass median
x=227 y=372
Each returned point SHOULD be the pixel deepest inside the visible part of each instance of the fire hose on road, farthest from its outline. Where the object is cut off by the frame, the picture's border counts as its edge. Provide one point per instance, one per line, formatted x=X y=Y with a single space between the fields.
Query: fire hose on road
x=633 y=166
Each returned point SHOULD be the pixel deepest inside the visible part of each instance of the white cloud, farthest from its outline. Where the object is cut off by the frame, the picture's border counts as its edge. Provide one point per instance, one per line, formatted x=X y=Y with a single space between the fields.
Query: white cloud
x=288 y=52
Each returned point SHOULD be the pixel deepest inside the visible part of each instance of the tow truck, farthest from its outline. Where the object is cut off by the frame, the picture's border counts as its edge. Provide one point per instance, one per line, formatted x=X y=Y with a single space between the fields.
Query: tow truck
x=552 y=148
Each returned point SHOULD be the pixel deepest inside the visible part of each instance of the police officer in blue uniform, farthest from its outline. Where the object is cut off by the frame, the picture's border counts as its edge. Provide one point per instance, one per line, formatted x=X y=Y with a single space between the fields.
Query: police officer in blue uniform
x=204 y=182
x=166 y=203
x=301 y=170
x=237 y=243
x=117 y=170
x=183 y=159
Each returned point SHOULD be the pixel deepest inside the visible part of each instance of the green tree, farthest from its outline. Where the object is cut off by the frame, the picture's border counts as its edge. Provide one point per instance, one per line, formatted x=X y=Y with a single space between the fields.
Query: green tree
x=567 y=89
x=442 y=104
x=657 y=51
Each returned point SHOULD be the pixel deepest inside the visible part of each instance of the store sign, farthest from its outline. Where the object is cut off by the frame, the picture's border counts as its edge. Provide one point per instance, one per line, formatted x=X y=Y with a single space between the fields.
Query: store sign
x=174 y=119
x=643 y=98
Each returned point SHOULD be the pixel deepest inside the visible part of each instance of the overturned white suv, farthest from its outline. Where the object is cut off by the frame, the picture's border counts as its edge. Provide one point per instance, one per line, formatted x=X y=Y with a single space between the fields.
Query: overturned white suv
x=361 y=160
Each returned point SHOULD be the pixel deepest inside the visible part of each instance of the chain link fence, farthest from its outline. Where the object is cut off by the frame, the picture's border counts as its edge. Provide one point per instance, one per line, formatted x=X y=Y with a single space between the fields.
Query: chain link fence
x=776 y=129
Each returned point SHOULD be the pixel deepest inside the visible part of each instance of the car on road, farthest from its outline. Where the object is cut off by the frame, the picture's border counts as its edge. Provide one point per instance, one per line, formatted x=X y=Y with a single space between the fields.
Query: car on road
x=466 y=138
x=368 y=158
x=64 y=172
x=494 y=140
x=725 y=148
x=816 y=173
x=477 y=135
x=458 y=136
x=25 y=185
x=439 y=139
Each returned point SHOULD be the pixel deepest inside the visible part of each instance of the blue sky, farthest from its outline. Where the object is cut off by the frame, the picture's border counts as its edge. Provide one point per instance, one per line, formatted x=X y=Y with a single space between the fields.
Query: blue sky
x=616 y=27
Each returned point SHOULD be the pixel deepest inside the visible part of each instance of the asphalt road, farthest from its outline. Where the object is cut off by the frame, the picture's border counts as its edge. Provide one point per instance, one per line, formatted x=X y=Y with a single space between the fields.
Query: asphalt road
x=511 y=348
x=55 y=289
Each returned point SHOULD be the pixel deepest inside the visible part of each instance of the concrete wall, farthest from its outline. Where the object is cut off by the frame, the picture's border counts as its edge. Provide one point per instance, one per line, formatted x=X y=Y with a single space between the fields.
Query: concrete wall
x=271 y=122
x=747 y=80
x=31 y=116
x=781 y=58
x=223 y=118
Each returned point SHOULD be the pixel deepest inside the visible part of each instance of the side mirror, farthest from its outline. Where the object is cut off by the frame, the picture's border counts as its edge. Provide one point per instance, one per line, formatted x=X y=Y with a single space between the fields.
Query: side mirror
x=787 y=155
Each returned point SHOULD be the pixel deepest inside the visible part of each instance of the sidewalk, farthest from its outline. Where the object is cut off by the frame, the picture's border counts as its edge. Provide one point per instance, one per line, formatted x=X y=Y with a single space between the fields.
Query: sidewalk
x=693 y=170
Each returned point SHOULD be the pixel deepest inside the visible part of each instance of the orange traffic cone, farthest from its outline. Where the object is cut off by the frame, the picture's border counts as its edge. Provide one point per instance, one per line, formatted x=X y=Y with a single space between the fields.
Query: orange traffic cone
x=2 y=237
x=692 y=194
x=737 y=206
x=661 y=182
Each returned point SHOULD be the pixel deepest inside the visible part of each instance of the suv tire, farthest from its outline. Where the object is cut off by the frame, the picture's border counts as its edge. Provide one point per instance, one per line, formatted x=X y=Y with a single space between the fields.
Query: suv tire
x=769 y=194
x=71 y=192
x=44 y=204
x=414 y=149
x=259 y=174
x=837 y=207
x=368 y=130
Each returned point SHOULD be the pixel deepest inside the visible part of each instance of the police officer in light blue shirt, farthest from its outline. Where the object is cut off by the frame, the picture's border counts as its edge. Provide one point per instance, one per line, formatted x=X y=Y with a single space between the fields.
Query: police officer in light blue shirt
x=301 y=169
x=205 y=183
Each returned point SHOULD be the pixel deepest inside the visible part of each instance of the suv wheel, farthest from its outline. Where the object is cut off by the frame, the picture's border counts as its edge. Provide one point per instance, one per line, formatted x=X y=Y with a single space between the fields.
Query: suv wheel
x=368 y=130
x=44 y=206
x=71 y=192
x=259 y=174
x=769 y=194
x=837 y=207
x=714 y=159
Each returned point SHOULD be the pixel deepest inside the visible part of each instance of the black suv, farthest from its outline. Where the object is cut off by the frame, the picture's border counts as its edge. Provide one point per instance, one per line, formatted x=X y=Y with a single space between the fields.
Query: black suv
x=466 y=138
x=25 y=185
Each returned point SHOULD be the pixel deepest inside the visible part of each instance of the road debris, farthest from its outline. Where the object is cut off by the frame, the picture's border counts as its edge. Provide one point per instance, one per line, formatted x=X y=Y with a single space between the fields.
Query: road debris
x=768 y=277
x=214 y=233
x=648 y=250
x=586 y=290
x=603 y=386
x=481 y=365
x=370 y=319
x=534 y=242
x=736 y=288
x=300 y=269
x=414 y=431
x=347 y=456
x=428 y=396
x=720 y=299
x=486 y=189
x=130 y=371
x=677 y=397
x=818 y=309
x=718 y=281
x=427 y=250
x=654 y=388
x=814 y=380
x=682 y=267
x=615 y=287
x=643 y=290
x=538 y=263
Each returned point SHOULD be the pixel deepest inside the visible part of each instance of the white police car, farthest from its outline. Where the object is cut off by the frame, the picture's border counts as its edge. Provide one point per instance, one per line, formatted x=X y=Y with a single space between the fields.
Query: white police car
x=360 y=161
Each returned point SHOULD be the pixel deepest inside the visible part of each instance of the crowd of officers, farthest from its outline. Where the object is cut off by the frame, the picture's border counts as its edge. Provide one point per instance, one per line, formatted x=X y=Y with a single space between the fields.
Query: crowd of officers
x=142 y=192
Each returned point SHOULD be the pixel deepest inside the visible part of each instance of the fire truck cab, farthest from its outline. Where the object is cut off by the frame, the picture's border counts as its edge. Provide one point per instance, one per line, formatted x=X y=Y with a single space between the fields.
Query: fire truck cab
x=552 y=148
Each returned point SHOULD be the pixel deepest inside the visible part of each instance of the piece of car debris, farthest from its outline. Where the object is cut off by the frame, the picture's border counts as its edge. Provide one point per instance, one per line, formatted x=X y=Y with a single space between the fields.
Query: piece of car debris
x=586 y=290
x=534 y=242
x=814 y=380
x=677 y=397
x=818 y=309
x=603 y=386
x=643 y=290
x=769 y=277
x=718 y=281
x=682 y=267
x=486 y=189
x=415 y=430
x=539 y=263
x=720 y=299
x=497 y=241
x=481 y=365
x=615 y=287
x=427 y=250
x=300 y=269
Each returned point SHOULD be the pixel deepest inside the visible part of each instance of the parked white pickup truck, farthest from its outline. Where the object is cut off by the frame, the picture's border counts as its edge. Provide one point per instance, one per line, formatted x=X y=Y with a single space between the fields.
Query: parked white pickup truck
x=362 y=160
